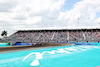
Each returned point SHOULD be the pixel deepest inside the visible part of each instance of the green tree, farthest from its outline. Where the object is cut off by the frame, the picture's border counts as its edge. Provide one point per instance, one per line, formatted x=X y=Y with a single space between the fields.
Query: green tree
x=4 y=33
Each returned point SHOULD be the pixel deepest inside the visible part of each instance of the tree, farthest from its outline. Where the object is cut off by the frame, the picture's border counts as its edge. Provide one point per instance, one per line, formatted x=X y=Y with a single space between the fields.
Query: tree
x=4 y=33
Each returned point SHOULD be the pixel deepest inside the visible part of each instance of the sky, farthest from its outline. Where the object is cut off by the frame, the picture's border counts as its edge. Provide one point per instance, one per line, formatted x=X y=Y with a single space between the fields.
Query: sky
x=20 y=14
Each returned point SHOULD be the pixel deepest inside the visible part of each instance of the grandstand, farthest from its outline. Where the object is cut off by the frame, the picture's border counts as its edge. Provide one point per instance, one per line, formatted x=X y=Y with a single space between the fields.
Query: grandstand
x=56 y=35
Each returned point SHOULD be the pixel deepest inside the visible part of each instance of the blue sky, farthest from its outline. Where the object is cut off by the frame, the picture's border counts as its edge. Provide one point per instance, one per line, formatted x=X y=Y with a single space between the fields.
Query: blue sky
x=98 y=15
x=69 y=4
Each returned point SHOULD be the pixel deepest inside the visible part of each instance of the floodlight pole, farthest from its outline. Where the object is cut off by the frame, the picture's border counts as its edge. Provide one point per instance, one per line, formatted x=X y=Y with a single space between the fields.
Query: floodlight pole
x=78 y=21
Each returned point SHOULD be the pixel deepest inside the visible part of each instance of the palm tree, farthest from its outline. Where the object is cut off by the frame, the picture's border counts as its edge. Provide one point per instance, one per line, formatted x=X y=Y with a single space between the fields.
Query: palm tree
x=4 y=33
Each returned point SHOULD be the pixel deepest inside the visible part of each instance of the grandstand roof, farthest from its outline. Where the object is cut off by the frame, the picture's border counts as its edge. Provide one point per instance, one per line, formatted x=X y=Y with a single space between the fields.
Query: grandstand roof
x=59 y=28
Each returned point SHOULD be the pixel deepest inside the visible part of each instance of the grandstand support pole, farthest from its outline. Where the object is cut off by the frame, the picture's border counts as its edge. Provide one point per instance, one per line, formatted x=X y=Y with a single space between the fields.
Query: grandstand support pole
x=42 y=35
x=57 y=34
x=77 y=38
x=28 y=37
x=68 y=36
x=52 y=36
x=62 y=35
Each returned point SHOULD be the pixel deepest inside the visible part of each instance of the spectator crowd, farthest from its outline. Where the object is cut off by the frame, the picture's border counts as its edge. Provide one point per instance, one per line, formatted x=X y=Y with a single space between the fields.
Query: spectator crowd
x=56 y=36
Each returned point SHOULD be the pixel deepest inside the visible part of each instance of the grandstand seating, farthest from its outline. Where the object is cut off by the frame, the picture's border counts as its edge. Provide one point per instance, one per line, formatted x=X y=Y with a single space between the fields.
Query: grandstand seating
x=56 y=36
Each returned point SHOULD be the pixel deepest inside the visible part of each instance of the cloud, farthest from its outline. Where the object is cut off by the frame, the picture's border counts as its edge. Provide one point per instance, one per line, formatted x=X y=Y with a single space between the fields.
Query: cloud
x=47 y=13
x=20 y=17
x=86 y=10
x=29 y=13
x=7 y=5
